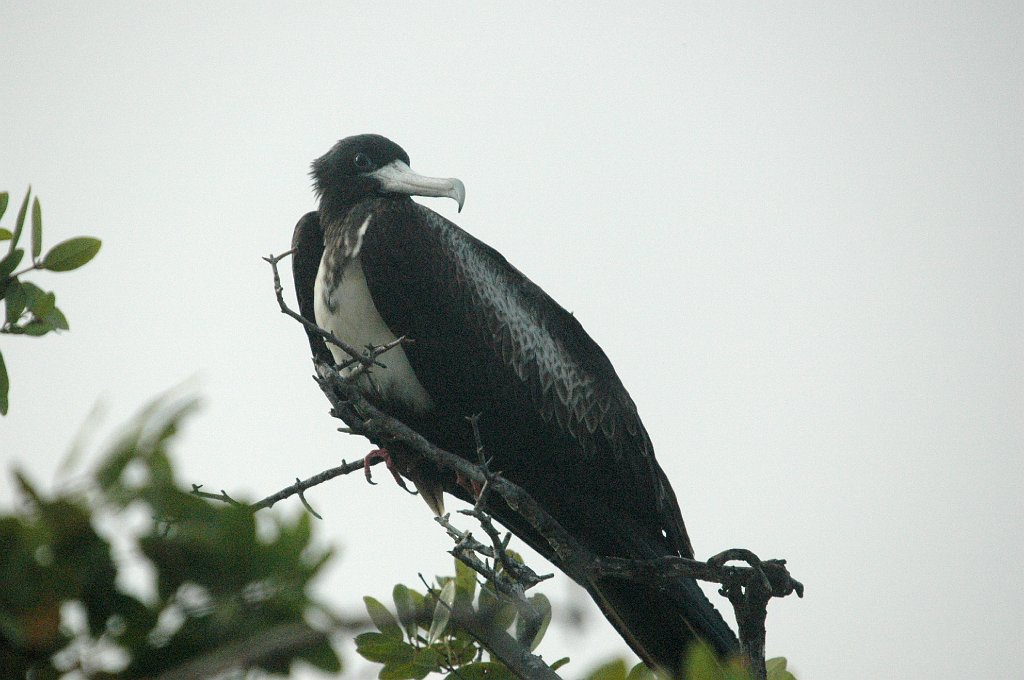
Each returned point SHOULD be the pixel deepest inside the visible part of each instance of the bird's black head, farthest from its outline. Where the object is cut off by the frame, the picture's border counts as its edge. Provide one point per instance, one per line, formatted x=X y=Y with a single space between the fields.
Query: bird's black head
x=366 y=165
x=350 y=162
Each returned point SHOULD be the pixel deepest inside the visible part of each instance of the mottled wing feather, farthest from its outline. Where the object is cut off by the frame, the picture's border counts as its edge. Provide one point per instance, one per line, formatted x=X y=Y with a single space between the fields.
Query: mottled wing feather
x=504 y=335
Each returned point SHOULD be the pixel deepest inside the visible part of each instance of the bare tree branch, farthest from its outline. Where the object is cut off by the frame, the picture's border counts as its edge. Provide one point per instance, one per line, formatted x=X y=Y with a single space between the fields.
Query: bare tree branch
x=298 y=488
x=367 y=358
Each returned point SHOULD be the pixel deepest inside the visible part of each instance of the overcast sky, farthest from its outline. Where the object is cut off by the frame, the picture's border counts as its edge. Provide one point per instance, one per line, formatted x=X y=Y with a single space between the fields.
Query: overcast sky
x=796 y=231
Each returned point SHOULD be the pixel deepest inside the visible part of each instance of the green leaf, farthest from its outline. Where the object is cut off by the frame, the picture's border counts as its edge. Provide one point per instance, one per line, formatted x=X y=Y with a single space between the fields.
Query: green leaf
x=36 y=328
x=5 y=385
x=20 y=223
x=57 y=319
x=735 y=669
x=495 y=608
x=15 y=299
x=37 y=228
x=383 y=648
x=382 y=618
x=777 y=669
x=398 y=671
x=535 y=629
x=71 y=254
x=33 y=292
x=39 y=302
x=4 y=197
x=323 y=657
x=701 y=663
x=11 y=262
x=423 y=663
x=613 y=670
x=405 y=605
x=642 y=672
x=442 y=612
x=426 y=660
x=558 y=664
x=5 y=234
x=465 y=582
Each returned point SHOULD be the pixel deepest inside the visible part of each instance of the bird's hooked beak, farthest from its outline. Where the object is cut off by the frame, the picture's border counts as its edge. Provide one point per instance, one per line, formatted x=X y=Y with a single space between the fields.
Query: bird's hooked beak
x=399 y=178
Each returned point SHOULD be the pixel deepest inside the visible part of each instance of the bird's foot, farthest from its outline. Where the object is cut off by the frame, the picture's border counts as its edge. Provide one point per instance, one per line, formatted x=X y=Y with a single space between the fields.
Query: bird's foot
x=471 y=485
x=382 y=454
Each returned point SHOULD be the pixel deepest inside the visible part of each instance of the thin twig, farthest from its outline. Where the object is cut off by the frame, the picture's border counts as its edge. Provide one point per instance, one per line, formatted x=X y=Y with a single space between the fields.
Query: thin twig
x=513 y=581
x=305 y=503
x=222 y=496
x=298 y=488
x=309 y=325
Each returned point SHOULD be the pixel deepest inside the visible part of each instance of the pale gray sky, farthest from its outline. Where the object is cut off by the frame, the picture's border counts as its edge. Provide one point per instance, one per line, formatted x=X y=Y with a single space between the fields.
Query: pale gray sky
x=795 y=230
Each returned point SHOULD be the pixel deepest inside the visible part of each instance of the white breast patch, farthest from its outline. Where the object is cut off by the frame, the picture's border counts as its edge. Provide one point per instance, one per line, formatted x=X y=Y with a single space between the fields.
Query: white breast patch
x=355 y=320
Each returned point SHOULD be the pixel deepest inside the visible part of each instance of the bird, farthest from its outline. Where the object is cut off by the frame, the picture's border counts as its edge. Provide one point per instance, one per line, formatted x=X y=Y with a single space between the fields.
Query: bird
x=372 y=266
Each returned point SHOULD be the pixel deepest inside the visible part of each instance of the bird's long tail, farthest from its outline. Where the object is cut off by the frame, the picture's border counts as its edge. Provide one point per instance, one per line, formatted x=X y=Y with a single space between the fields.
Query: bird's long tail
x=660 y=624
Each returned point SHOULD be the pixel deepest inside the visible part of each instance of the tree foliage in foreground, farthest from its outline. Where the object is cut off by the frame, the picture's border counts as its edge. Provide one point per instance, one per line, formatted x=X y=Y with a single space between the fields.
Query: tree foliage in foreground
x=28 y=309
x=219 y=594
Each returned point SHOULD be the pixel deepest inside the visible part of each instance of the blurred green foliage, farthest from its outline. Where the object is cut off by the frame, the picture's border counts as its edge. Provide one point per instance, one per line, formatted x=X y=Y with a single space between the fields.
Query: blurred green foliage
x=28 y=309
x=218 y=592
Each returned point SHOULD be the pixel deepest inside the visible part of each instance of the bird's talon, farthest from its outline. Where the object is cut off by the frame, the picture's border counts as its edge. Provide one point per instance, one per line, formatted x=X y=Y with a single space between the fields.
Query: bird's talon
x=382 y=454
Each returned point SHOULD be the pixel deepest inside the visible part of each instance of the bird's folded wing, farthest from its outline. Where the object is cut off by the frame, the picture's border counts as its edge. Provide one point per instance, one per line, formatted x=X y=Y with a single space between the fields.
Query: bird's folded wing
x=486 y=337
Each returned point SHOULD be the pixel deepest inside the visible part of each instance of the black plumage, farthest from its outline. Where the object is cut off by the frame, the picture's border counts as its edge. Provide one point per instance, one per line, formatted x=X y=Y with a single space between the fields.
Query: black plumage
x=554 y=415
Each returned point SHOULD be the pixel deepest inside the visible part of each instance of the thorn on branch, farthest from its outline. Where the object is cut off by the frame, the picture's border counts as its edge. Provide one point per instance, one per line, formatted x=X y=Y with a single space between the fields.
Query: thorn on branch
x=298 y=488
x=328 y=336
x=483 y=462
x=302 y=497
x=222 y=496
x=274 y=259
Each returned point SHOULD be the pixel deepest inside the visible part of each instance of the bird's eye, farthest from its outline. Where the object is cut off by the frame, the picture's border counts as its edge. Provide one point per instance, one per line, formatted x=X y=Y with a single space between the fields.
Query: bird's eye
x=362 y=161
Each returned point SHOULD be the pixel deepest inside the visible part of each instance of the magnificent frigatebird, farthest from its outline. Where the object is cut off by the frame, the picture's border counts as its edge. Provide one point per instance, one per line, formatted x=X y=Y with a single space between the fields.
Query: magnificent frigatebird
x=373 y=265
